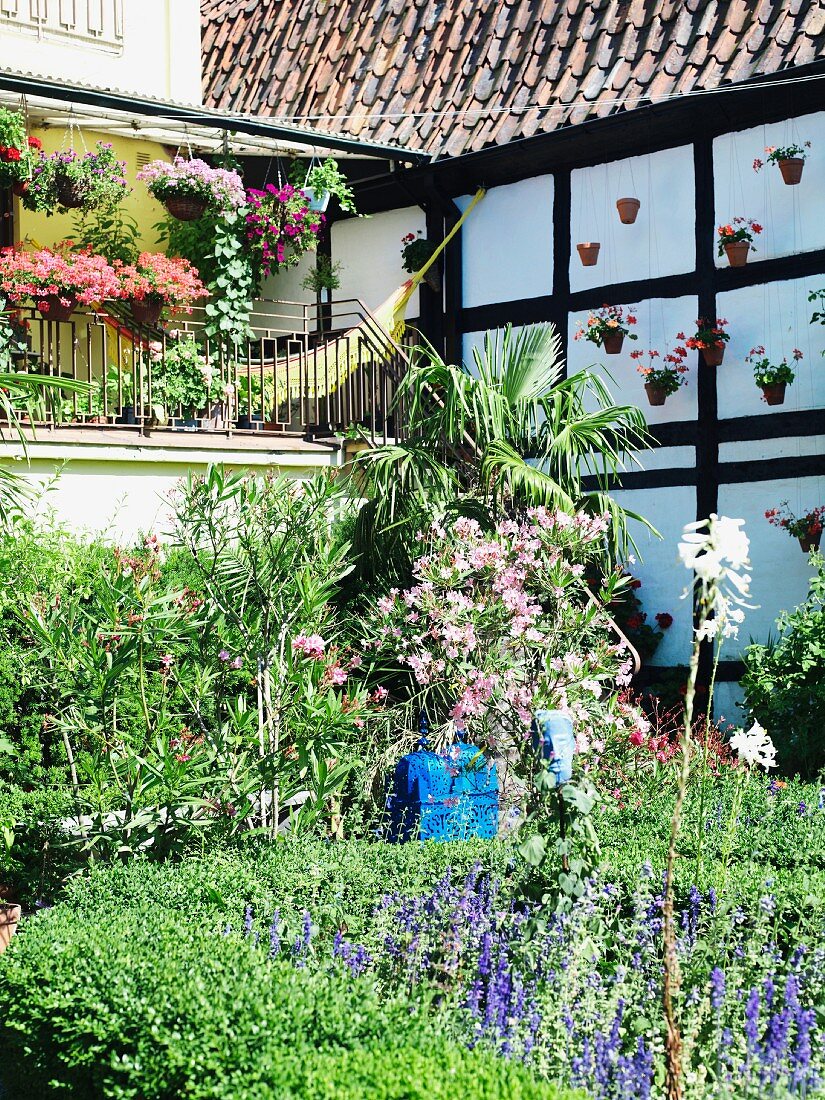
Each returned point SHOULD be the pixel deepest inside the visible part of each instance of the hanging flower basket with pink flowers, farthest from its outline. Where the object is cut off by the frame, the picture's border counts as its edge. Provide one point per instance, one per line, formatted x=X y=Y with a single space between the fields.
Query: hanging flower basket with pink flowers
x=280 y=226
x=770 y=378
x=607 y=327
x=662 y=381
x=188 y=188
x=156 y=282
x=56 y=282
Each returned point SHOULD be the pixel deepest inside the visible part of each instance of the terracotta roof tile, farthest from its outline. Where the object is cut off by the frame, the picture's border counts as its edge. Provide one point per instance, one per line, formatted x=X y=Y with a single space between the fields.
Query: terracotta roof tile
x=427 y=72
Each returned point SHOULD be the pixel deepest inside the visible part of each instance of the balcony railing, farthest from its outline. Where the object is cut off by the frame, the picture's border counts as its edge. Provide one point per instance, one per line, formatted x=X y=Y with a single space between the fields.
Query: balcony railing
x=301 y=373
x=95 y=22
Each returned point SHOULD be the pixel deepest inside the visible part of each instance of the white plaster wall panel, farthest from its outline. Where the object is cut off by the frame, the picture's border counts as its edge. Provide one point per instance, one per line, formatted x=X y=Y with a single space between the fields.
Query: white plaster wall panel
x=507 y=243
x=369 y=250
x=791 y=215
x=779 y=569
x=662 y=239
x=775 y=316
x=285 y=286
x=795 y=447
x=727 y=703
x=665 y=458
x=659 y=320
x=663 y=578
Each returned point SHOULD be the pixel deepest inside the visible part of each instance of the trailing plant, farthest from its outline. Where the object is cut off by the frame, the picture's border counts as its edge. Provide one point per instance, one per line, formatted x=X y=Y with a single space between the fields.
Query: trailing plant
x=607 y=321
x=97 y=177
x=807 y=526
x=280 y=227
x=736 y=231
x=766 y=373
x=670 y=376
x=325 y=176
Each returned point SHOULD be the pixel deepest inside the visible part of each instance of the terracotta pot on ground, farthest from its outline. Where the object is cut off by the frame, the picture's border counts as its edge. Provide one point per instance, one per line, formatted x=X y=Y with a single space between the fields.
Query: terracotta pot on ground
x=70 y=193
x=775 y=394
x=146 y=311
x=655 y=394
x=612 y=342
x=791 y=169
x=810 y=542
x=185 y=209
x=56 y=311
x=713 y=356
x=588 y=253
x=737 y=253
x=9 y=919
x=628 y=209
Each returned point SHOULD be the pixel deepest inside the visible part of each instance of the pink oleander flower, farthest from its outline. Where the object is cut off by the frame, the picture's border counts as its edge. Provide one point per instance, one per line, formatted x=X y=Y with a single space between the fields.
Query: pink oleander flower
x=312 y=645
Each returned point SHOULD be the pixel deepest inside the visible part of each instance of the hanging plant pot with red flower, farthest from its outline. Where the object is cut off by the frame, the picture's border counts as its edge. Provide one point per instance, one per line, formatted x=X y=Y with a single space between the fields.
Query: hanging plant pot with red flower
x=807 y=528
x=661 y=382
x=628 y=209
x=736 y=240
x=588 y=253
x=18 y=151
x=416 y=250
x=772 y=379
x=790 y=159
x=607 y=327
x=710 y=339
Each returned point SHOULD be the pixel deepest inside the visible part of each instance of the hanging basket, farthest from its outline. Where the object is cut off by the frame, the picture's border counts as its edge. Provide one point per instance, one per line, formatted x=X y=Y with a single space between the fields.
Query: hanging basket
x=185 y=208
x=612 y=343
x=628 y=209
x=713 y=356
x=70 y=193
x=810 y=542
x=146 y=311
x=432 y=277
x=19 y=188
x=655 y=394
x=588 y=253
x=737 y=253
x=775 y=394
x=791 y=169
x=318 y=201
x=51 y=308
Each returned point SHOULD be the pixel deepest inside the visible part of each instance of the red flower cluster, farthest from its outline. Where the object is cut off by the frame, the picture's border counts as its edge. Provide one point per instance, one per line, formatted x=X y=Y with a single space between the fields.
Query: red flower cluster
x=9 y=153
x=664 y=620
x=807 y=526
x=709 y=334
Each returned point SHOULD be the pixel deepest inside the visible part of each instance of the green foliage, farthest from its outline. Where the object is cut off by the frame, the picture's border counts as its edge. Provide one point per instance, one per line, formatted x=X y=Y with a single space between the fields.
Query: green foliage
x=113 y=234
x=325 y=275
x=324 y=176
x=784 y=682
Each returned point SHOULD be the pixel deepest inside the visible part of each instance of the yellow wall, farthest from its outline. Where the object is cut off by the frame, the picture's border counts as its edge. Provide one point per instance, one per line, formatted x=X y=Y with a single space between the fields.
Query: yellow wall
x=43 y=231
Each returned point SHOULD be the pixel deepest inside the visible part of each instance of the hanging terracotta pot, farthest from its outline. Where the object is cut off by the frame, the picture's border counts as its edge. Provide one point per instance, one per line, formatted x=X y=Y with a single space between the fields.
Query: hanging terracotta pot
x=146 y=311
x=810 y=542
x=55 y=310
x=655 y=394
x=185 y=208
x=628 y=209
x=9 y=919
x=71 y=194
x=791 y=169
x=612 y=342
x=588 y=253
x=775 y=394
x=713 y=356
x=737 y=253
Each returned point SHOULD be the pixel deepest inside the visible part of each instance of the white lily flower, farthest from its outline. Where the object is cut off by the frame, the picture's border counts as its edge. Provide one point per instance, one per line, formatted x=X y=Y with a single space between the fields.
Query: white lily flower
x=716 y=549
x=754 y=747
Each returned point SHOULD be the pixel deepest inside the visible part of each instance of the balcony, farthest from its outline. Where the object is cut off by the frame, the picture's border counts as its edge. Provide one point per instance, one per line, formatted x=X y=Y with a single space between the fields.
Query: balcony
x=304 y=374
x=91 y=22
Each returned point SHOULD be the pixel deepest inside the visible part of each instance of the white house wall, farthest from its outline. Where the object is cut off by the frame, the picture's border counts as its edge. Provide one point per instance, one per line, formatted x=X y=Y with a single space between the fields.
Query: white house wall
x=369 y=251
x=507 y=243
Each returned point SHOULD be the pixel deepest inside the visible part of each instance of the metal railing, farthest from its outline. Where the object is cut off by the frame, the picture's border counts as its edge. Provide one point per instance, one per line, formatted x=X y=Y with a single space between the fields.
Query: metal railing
x=303 y=371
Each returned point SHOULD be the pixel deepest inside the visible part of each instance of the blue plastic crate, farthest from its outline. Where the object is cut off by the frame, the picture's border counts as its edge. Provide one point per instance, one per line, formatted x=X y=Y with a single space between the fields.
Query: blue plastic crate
x=443 y=796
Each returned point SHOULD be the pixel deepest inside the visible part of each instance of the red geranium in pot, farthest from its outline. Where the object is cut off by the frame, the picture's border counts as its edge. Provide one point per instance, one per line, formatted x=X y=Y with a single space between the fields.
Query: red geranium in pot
x=790 y=160
x=736 y=240
x=807 y=527
x=156 y=282
x=710 y=338
x=662 y=381
x=607 y=327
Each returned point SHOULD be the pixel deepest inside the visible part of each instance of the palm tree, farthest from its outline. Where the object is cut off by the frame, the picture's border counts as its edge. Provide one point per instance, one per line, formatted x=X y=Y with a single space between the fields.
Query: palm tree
x=510 y=433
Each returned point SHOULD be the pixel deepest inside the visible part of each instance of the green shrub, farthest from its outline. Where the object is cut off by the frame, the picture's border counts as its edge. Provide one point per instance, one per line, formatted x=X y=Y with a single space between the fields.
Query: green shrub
x=38 y=861
x=784 y=683
x=139 y=1004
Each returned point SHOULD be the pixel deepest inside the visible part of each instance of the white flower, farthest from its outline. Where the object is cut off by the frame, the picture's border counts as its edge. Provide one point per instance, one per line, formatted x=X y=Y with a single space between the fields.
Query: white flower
x=716 y=549
x=754 y=746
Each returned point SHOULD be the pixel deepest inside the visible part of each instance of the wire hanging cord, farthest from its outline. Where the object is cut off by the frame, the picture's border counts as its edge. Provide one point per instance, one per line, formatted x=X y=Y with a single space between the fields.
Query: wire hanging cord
x=71 y=126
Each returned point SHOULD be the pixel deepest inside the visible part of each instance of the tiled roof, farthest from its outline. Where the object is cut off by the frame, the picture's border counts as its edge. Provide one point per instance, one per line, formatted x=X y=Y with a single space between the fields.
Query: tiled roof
x=451 y=76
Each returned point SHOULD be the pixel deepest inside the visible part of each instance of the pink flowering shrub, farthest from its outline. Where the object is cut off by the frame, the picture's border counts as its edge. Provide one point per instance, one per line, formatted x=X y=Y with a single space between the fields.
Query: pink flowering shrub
x=280 y=227
x=499 y=625
x=38 y=275
x=169 y=279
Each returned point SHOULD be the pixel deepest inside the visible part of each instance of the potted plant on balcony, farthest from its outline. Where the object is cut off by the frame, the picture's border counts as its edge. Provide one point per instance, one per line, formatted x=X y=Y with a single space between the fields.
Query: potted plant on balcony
x=323 y=277
x=710 y=338
x=736 y=239
x=183 y=380
x=789 y=158
x=16 y=332
x=607 y=327
x=256 y=399
x=187 y=188
x=772 y=380
x=807 y=527
x=416 y=249
x=662 y=381
x=68 y=180
x=322 y=181
x=55 y=281
x=17 y=151
x=280 y=227
x=156 y=282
